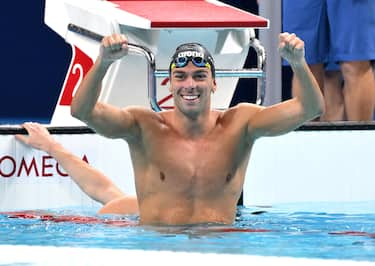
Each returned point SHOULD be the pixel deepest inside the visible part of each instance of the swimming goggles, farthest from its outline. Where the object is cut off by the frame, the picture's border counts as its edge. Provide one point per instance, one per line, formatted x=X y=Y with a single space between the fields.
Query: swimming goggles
x=182 y=61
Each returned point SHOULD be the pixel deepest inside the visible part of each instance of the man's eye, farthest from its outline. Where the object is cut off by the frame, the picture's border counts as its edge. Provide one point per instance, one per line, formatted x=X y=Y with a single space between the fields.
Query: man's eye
x=200 y=76
x=178 y=76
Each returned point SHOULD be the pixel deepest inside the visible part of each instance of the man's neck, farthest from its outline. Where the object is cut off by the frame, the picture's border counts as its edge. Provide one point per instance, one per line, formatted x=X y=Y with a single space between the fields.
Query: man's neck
x=194 y=127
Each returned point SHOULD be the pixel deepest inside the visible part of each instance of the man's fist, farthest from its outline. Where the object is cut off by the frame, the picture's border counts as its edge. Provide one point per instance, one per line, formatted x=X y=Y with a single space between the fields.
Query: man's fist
x=291 y=48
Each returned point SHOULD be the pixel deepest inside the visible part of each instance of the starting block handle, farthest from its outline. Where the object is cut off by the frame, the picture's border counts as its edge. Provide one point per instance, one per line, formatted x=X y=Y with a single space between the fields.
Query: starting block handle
x=153 y=73
x=261 y=66
x=133 y=48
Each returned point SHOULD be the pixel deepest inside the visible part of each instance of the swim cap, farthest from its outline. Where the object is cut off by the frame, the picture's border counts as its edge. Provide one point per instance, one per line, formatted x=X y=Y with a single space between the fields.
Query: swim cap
x=194 y=52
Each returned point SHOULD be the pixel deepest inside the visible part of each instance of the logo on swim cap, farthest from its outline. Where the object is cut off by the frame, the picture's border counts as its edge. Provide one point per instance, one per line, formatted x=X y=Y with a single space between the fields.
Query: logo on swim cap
x=190 y=54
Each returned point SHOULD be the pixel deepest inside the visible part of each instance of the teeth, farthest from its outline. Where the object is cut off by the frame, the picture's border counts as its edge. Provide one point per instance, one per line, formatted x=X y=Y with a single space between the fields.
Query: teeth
x=190 y=97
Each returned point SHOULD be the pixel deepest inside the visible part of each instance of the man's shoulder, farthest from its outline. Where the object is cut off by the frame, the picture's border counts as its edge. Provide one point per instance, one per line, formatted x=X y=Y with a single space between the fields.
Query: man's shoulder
x=141 y=111
x=244 y=108
x=240 y=114
x=144 y=115
x=137 y=109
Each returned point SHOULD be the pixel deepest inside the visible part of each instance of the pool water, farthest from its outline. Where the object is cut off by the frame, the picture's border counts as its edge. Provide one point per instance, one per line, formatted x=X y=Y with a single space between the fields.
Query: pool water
x=257 y=231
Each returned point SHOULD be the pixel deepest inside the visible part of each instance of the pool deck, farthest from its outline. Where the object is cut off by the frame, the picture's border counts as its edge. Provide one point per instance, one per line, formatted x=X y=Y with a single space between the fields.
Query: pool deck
x=49 y=255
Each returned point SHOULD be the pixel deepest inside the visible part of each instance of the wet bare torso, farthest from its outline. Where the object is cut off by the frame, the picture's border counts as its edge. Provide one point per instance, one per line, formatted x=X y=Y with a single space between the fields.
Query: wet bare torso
x=182 y=180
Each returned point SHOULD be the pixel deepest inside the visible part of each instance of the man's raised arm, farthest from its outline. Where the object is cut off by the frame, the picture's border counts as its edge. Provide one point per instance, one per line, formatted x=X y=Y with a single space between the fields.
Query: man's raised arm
x=107 y=120
x=308 y=104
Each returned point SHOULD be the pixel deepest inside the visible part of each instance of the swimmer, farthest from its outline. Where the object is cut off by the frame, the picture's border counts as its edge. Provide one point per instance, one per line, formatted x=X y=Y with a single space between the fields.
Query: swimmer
x=190 y=161
x=94 y=183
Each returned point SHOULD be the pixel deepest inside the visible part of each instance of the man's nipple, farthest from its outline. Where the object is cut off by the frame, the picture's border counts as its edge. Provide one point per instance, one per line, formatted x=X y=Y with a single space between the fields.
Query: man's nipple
x=228 y=178
x=162 y=176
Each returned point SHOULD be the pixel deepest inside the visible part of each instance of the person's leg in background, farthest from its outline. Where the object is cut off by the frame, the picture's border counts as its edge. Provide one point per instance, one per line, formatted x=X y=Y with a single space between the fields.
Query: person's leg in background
x=359 y=90
x=333 y=94
x=353 y=45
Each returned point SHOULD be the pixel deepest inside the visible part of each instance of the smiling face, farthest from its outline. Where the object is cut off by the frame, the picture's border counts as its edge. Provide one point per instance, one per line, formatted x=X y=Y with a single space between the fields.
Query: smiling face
x=191 y=87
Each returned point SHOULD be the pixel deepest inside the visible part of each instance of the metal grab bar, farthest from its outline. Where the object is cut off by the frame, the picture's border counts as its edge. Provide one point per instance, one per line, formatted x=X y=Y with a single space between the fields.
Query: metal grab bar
x=137 y=49
x=261 y=65
x=153 y=73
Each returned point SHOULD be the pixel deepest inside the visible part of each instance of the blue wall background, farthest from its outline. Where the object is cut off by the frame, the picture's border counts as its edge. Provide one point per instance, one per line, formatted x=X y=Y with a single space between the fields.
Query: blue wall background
x=34 y=61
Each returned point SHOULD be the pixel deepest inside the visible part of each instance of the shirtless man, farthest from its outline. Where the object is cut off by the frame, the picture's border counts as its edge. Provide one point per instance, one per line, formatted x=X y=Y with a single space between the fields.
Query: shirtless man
x=91 y=181
x=190 y=162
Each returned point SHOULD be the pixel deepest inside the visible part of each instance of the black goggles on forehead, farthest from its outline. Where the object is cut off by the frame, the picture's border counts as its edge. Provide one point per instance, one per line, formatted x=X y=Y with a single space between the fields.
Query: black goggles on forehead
x=184 y=60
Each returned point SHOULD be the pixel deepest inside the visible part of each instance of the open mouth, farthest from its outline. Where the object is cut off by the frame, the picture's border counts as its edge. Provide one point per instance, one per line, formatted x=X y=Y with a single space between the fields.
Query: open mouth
x=190 y=98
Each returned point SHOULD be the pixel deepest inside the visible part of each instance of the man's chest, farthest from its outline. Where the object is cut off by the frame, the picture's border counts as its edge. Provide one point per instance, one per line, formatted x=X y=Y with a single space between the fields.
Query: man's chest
x=202 y=163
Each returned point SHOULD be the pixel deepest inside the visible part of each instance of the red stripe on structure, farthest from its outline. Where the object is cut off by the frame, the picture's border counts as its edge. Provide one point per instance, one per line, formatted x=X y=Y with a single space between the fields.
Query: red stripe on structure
x=80 y=65
x=166 y=98
x=191 y=14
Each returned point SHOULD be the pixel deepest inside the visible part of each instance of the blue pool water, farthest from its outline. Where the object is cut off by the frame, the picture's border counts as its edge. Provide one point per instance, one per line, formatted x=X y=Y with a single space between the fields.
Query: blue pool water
x=257 y=231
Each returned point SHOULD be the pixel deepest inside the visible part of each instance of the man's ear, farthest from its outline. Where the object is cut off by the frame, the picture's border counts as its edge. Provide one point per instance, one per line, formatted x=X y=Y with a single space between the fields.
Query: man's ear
x=168 y=81
x=214 y=86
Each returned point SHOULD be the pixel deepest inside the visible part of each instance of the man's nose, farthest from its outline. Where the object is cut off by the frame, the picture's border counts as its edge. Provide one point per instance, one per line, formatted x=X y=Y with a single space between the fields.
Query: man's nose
x=190 y=82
